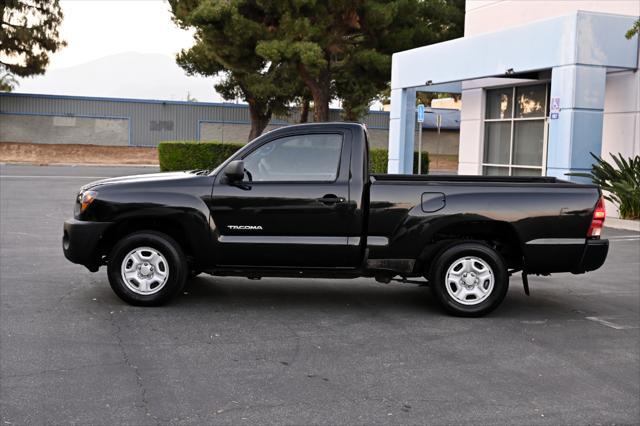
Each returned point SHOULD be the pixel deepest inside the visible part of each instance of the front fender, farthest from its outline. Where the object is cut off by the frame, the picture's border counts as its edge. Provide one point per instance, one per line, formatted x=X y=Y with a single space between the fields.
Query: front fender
x=179 y=207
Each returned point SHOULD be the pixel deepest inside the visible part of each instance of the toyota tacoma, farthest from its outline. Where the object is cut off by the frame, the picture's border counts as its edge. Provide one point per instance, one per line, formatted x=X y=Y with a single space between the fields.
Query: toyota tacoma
x=299 y=201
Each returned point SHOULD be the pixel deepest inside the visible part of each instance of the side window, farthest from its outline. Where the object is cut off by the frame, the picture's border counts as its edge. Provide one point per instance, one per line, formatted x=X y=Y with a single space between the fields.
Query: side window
x=313 y=157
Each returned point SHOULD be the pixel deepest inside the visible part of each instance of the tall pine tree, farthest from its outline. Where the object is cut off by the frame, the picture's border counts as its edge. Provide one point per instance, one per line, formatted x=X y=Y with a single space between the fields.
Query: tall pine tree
x=343 y=48
x=335 y=48
x=28 y=36
x=226 y=36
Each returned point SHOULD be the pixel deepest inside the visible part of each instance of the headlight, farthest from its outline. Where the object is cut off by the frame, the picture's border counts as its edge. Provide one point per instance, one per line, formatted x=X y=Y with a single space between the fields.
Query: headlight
x=85 y=198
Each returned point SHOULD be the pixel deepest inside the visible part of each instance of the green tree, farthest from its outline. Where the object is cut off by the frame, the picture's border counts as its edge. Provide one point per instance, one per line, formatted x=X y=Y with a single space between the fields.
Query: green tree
x=390 y=27
x=226 y=36
x=425 y=98
x=343 y=48
x=303 y=102
x=8 y=81
x=28 y=36
x=635 y=28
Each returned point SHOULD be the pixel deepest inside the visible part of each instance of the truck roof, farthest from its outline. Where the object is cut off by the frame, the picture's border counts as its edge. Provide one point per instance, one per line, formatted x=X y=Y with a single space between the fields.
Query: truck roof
x=319 y=126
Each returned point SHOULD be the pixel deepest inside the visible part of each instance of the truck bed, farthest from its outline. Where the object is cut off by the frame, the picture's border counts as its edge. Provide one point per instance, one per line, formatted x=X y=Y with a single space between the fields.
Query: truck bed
x=544 y=217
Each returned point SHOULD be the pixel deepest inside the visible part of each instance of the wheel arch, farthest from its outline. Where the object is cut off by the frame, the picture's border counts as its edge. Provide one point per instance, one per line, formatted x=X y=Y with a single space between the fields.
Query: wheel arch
x=499 y=235
x=170 y=226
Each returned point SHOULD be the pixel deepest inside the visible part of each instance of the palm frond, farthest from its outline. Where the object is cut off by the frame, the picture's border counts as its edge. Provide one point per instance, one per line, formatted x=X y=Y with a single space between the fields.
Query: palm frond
x=620 y=180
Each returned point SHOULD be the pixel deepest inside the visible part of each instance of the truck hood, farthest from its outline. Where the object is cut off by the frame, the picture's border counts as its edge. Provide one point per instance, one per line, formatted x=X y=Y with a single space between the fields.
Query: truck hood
x=146 y=178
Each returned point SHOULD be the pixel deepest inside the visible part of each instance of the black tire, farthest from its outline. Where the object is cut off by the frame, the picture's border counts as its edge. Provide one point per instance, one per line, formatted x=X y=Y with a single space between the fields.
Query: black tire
x=454 y=254
x=170 y=250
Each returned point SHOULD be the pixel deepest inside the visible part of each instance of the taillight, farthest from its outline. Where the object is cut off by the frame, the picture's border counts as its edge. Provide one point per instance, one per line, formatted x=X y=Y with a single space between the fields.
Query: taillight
x=597 y=222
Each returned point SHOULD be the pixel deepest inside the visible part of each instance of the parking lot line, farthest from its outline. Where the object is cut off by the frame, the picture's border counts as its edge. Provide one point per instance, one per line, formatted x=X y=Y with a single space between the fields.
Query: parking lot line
x=611 y=324
x=624 y=238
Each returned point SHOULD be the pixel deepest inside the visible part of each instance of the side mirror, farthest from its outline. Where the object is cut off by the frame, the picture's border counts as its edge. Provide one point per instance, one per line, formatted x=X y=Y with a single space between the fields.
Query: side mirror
x=234 y=171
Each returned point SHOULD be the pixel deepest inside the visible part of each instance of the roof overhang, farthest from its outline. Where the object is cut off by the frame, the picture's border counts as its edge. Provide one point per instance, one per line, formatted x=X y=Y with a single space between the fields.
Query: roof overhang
x=584 y=38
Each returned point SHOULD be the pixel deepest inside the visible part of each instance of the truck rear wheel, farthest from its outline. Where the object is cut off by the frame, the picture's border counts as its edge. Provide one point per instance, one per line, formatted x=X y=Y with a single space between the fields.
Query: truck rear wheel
x=147 y=268
x=469 y=279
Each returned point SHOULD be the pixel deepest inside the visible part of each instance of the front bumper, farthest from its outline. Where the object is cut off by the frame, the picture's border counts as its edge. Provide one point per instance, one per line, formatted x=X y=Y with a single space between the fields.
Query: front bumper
x=80 y=241
x=594 y=255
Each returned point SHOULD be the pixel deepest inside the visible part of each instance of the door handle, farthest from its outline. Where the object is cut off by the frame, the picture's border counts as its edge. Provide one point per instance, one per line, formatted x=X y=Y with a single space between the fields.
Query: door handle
x=331 y=199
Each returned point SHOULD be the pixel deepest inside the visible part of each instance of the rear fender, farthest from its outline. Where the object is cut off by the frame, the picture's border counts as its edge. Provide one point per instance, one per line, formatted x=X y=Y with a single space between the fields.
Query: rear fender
x=499 y=235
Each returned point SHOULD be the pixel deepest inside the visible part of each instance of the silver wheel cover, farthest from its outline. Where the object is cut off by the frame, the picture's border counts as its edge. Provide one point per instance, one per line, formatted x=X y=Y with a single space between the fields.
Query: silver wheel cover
x=144 y=271
x=469 y=280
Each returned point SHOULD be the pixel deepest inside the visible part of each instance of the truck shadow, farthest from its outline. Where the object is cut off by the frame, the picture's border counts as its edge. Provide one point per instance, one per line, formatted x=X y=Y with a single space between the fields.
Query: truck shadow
x=230 y=294
x=305 y=294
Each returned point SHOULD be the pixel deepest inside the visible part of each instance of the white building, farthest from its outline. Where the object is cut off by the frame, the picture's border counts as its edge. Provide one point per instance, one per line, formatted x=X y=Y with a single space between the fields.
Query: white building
x=543 y=83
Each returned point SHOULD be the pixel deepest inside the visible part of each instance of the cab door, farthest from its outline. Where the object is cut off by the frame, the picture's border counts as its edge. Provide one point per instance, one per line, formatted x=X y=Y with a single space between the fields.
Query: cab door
x=292 y=208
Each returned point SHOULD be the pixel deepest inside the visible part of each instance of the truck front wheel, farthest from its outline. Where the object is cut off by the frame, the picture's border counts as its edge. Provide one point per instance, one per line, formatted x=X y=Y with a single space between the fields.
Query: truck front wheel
x=147 y=268
x=469 y=279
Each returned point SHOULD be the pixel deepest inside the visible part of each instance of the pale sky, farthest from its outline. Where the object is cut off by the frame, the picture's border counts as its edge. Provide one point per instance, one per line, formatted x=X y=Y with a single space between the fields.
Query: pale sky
x=118 y=48
x=97 y=28
x=113 y=49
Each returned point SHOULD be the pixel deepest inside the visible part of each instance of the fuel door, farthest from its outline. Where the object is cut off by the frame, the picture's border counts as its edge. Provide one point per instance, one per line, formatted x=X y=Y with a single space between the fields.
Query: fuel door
x=433 y=201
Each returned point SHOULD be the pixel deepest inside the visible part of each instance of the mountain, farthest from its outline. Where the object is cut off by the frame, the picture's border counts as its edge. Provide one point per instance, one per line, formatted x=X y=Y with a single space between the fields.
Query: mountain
x=124 y=75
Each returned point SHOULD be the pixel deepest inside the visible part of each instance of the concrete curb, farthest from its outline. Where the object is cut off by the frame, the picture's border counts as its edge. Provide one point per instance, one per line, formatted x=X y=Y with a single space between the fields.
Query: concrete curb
x=26 y=163
x=629 y=225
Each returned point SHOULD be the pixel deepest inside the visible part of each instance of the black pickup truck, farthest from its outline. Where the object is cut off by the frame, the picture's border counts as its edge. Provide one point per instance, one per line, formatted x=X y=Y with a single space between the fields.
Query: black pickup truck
x=299 y=202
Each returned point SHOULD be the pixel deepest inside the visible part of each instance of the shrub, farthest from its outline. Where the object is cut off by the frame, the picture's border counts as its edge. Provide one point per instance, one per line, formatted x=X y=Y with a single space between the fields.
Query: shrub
x=621 y=183
x=193 y=155
x=379 y=159
x=208 y=155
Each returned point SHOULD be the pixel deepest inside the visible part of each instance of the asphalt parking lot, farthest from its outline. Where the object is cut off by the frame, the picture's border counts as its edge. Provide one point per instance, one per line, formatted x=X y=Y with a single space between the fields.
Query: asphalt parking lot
x=235 y=351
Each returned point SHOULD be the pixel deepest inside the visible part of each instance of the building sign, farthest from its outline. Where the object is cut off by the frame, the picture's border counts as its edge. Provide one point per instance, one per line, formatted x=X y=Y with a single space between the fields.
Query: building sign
x=420 y=113
x=160 y=126
x=554 y=108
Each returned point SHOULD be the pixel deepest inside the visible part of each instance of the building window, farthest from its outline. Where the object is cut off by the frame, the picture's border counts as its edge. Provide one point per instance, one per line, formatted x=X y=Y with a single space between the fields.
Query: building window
x=515 y=133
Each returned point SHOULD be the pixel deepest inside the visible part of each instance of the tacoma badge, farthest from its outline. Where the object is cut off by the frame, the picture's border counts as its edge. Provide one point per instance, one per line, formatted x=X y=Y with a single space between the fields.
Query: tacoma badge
x=245 y=227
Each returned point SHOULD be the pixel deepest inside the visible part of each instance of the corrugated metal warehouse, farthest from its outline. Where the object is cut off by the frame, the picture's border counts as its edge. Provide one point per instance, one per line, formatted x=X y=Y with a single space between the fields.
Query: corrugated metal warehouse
x=55 y=119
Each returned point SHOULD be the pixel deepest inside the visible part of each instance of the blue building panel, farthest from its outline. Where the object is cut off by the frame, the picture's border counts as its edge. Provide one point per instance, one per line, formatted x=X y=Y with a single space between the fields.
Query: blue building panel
x=578 y=48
